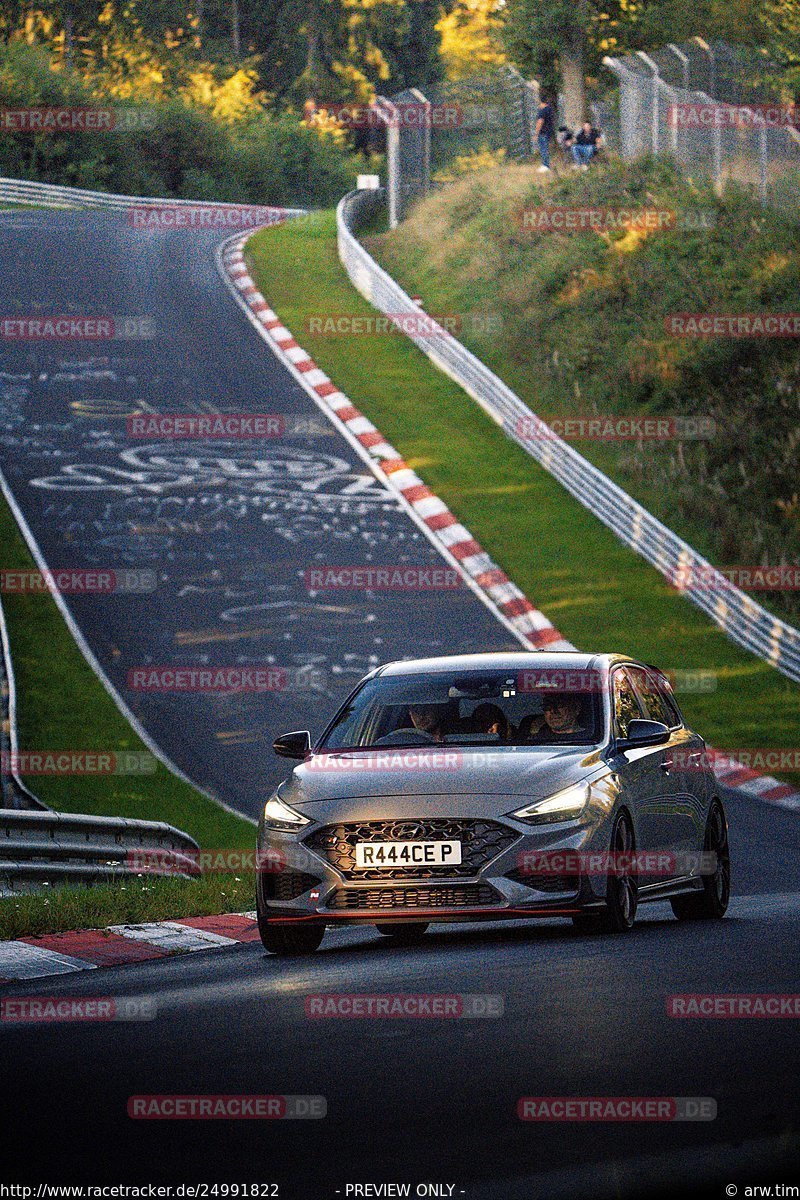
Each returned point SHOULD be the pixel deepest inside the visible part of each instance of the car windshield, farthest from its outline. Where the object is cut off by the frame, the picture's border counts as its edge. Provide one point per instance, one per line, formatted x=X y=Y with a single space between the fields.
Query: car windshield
x=482 y=708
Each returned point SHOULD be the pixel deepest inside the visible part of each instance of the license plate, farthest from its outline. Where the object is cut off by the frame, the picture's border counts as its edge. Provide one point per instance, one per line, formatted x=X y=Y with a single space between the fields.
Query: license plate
x=408 y=854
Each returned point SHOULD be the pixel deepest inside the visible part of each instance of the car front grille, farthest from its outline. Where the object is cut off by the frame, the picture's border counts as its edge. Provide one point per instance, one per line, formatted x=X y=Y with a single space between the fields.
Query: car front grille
x=480 y=841
x=545 y=883
x=287 y=885
x=457 y=895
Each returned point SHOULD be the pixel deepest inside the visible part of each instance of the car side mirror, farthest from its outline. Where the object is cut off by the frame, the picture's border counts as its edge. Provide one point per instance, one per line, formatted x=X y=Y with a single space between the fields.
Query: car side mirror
x=293 y=745
x=644 y=733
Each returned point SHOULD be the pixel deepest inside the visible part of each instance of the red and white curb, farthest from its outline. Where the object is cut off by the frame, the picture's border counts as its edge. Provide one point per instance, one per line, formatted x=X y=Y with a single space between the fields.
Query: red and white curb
x=118 y=945
x=760 y=787
x=452 y=538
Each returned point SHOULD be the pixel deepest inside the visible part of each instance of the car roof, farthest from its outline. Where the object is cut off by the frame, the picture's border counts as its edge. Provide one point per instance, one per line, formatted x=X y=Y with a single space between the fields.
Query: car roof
x=512 y=661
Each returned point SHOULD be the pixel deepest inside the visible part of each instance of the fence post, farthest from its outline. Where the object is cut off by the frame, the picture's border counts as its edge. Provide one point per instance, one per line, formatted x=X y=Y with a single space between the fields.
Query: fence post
x=763 y=164
x=712 y=64
x=716 y=145
x=647 y=60
x=684 y=61
x=387 y=113
x=426 y=138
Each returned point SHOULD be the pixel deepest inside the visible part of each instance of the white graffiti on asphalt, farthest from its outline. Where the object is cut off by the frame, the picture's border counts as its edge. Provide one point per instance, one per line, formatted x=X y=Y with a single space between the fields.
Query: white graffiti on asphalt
x=160 y=468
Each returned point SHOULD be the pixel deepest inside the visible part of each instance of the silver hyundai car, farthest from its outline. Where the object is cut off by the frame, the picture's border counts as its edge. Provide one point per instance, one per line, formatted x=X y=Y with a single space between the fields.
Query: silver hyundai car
x=493 y=786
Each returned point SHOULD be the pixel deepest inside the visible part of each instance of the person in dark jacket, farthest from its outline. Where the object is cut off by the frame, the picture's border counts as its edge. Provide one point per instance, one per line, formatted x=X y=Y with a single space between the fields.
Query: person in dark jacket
x=545 y=128
x=585 y=145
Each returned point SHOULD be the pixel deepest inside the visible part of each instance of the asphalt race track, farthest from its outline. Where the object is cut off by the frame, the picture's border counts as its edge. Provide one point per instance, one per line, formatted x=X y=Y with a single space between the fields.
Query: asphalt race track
x=411 y=1100
x=230 y=528
x=408 y=1100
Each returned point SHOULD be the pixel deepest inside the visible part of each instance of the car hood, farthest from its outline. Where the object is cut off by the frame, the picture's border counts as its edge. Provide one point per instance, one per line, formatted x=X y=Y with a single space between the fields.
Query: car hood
x=503 y=771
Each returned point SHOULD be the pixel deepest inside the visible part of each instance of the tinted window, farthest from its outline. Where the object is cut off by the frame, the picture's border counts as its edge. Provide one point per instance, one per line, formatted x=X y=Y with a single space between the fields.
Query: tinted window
x=653 y=702
x=626 y=706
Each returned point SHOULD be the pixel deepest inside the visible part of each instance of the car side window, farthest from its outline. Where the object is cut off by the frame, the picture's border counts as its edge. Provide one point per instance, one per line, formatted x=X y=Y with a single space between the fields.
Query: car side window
x=653 y=702
x=626 y=706
x=671 y=703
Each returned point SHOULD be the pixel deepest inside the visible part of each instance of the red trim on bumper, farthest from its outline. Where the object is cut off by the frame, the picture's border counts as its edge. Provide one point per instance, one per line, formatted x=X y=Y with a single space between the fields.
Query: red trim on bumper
x=328 y=917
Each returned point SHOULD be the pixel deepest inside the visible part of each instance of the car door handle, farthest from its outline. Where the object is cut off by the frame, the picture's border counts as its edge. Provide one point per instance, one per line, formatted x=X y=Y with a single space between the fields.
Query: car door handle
x=666 y=766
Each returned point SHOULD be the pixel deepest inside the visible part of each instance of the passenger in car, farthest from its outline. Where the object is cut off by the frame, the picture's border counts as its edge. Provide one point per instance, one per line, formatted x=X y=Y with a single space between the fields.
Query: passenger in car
x=489 y=718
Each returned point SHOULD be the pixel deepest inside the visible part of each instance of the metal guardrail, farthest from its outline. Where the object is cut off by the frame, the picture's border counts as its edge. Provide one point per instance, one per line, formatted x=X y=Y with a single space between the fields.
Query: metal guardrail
x=741 y=618
x=51 y=195
x=13 y=792
x=46 y=849
x=41 y=849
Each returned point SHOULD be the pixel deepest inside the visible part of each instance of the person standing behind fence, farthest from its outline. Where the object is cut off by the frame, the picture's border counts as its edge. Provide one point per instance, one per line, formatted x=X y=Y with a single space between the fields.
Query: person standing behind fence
x=545 y=128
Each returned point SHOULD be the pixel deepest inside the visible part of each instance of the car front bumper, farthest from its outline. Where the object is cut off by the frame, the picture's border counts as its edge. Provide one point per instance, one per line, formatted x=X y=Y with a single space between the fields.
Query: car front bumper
x=303 y=878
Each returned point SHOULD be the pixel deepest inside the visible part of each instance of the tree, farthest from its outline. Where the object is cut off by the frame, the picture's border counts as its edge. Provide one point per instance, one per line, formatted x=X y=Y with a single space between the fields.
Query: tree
x=471 y=37
x=557 y=41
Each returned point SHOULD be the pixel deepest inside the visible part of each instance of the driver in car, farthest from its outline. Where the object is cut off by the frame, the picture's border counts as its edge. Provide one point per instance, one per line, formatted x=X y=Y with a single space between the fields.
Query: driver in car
x=561 y=719
x=427 y=718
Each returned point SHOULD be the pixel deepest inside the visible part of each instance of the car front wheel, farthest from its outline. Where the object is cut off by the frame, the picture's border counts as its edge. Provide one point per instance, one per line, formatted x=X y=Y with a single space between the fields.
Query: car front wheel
x=622 y=893
x=712 y=902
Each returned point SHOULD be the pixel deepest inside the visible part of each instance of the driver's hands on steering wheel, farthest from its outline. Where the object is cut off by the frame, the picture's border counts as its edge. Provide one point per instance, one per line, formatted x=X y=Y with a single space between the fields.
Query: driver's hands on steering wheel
x=404 y=737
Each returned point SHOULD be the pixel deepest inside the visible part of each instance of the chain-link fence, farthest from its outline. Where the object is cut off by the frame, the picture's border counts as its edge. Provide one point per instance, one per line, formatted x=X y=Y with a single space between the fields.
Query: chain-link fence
x=710 y=107
x=461 y=123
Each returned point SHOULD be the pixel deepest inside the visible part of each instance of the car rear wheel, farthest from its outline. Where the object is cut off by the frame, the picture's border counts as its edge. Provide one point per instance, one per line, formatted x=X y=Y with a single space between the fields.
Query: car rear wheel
x=712 y=902
x=290 y=939
x=404 y=932
x=622 y=893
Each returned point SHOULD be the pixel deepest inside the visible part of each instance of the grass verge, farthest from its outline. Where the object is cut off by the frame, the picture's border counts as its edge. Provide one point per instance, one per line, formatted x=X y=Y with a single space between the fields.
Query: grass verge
x=598 y=593
x=138 y=899
x=582 y=325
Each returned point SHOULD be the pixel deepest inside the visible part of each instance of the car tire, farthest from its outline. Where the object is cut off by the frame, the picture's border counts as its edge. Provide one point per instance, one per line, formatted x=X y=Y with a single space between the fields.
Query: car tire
x=619 y=911
x=286 y=940
x=405 y=933
x=712 y=902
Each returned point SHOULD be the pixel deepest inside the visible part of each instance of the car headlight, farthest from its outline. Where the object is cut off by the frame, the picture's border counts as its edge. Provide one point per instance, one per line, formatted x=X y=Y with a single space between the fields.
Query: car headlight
x=280 y=816
x=563 y=806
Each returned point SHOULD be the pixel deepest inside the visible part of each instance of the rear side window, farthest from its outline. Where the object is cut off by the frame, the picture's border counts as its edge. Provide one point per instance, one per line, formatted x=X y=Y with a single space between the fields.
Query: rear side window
x=626 y=706
x=656 y=701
